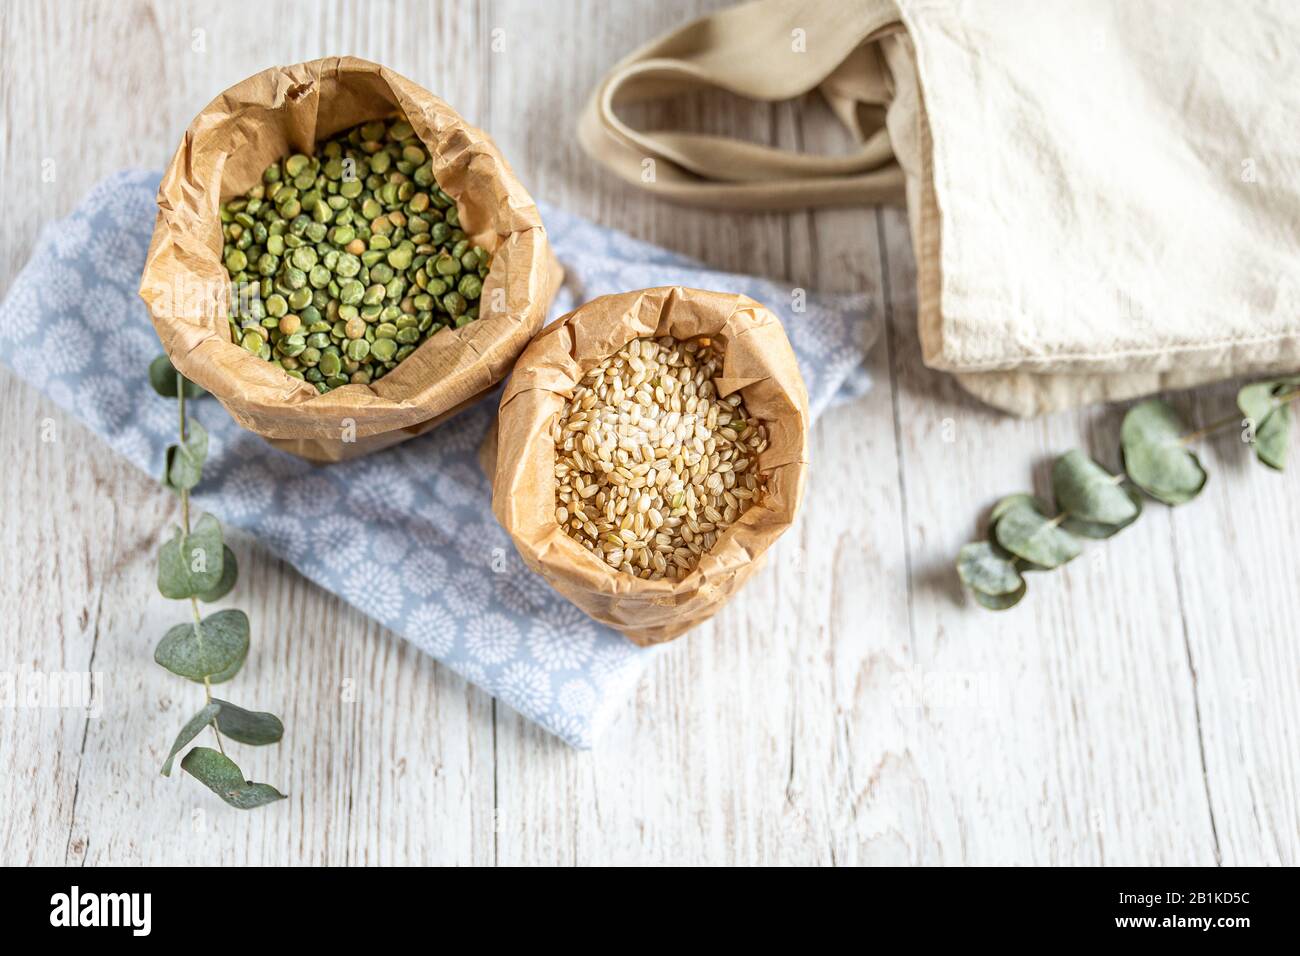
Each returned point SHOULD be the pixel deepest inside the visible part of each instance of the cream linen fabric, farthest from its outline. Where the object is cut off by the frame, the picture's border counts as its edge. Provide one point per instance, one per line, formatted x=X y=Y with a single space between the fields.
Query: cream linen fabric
x=1104 y=195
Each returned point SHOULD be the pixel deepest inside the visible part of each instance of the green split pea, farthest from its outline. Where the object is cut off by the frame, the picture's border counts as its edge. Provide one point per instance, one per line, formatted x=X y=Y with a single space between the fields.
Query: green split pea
x=343 y=262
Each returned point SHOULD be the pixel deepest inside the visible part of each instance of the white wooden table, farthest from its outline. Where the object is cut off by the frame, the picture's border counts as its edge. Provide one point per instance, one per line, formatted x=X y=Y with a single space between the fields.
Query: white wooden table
x=851 y=707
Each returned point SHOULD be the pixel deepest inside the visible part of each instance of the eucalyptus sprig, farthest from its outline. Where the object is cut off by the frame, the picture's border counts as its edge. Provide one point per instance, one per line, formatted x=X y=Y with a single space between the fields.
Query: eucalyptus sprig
x=196 y=565
x=1025 y=534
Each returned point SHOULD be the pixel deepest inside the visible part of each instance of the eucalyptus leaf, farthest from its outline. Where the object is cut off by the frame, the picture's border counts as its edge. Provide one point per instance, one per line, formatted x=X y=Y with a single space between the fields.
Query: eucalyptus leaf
x=229 y=574
x=1256 y=401
x=190 y=565
x=1089 y=492
x=1096 y=529
x=984 y=567
x=248 y=726
x=1271 y=418
x=215 y=650
x=220 y=677
x=1273 y=437
x=1012 y=501
x=163 y=377
x=223 y=777
x=1027 y=532
x=1155 y=457
x=185 y=461
x=192 y=729
x=168 y=457
x=1002 y=507
x=991 y=574
x=1000 y=602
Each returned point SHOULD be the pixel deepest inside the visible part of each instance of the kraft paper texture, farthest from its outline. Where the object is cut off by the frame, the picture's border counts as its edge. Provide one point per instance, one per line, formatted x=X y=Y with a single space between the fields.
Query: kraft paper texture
x=284 y=110
x=520 y=455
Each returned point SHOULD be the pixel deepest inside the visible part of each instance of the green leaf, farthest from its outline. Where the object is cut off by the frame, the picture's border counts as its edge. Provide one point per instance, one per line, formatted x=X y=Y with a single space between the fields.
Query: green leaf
x=984 y=567
x=1012 y=501
x=1094 y=529
x=990 y=574
x=163 y=377
x=245 y=726
x=216 y=651
x=1270 y=417
x=1155 y=457
x=248 y=726
x=1096 y=504
x=190 y=565
x=1272 y=438
x=1027 y=532
x=168 y=457
x=229 y=574
x=185 y=461
x=223 y=777
x=222 y=676
x=191 y=730
x=1002 y=507
x=1000 y=602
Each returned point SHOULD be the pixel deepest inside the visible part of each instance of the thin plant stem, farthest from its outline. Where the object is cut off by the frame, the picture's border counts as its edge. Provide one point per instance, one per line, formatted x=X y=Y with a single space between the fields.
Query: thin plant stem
x=1214 y=426
x=180 y=411
x=1286 y=397
x=185 y=525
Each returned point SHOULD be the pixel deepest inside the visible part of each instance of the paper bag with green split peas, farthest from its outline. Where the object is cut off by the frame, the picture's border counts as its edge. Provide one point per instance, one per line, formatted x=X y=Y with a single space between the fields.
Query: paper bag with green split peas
x=284 y=110
x=757 y=362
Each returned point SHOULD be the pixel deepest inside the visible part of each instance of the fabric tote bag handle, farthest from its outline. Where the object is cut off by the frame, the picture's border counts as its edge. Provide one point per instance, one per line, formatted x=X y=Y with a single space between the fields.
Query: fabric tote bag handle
x=767 y=50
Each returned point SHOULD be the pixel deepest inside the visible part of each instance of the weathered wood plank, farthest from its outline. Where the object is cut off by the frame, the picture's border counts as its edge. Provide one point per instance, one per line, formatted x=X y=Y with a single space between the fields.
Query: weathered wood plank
x=1064 y=730
x=1240 y=589
x=852 y=706
x=387 y=757
x=736 y=749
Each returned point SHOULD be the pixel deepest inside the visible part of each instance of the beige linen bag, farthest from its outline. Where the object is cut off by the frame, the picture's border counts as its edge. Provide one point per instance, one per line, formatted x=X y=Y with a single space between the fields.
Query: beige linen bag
x=185 y=285
x=757 y=361
x=1103 y=196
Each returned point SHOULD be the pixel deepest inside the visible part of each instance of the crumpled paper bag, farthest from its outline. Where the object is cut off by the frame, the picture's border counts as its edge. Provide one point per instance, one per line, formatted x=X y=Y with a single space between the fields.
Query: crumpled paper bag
x=520 y=454
x=288 y=109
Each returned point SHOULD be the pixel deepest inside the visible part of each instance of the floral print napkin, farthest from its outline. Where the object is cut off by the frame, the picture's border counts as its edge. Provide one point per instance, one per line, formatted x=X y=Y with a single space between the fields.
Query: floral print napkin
x=408 y=535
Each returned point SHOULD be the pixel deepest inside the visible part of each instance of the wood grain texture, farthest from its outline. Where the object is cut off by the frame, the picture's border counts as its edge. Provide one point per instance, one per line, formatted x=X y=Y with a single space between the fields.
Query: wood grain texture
x=851 y=707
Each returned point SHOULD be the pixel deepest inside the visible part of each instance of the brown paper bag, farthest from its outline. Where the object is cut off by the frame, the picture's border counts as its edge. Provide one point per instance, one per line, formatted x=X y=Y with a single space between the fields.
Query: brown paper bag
x=757 y=361
x=287 y=109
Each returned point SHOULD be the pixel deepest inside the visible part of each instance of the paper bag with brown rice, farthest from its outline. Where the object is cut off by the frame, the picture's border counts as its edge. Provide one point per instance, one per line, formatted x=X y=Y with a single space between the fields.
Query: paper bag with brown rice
x=757 y=362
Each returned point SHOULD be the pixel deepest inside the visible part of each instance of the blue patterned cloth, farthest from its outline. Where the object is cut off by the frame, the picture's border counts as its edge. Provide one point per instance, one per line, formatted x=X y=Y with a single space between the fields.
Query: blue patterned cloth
x=406 y=535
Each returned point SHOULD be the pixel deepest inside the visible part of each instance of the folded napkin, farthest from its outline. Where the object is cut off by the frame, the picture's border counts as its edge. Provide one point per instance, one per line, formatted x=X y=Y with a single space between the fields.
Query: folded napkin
x=406 y=535
x=1104 y=196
